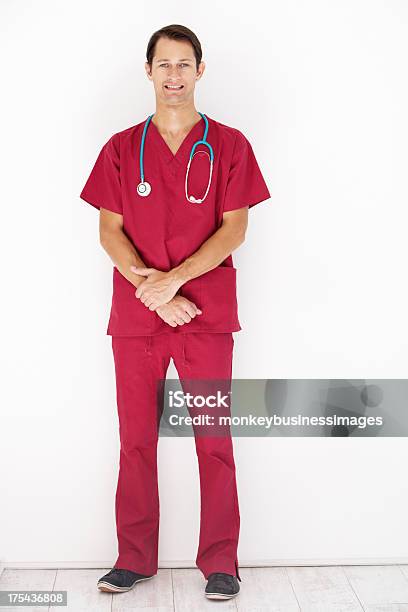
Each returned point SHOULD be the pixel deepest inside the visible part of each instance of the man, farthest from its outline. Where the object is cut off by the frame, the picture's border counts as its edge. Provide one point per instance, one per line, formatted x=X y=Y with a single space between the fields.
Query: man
x=174 y=296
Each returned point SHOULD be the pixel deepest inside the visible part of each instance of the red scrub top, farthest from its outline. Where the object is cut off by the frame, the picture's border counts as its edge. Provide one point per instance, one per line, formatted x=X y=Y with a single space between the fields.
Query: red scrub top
x=164 y=227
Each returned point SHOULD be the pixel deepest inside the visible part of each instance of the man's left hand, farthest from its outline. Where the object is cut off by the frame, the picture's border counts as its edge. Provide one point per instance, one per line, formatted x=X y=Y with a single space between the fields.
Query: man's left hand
x=158 y=288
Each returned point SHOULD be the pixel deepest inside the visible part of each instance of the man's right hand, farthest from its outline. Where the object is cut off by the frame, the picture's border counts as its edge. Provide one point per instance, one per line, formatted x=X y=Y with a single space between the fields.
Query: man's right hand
x=178 y=311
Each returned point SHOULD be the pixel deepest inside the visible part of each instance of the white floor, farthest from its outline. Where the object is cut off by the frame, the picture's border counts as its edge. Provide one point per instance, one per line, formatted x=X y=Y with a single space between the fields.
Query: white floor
x=272 y=589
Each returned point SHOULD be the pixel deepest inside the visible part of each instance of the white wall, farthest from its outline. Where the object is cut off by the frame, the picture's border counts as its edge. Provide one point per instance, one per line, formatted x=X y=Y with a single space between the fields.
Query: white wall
x=320 y=90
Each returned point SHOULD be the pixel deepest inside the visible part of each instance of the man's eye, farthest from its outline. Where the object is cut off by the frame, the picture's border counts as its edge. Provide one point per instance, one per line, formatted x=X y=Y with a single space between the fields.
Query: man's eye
x=165 y=65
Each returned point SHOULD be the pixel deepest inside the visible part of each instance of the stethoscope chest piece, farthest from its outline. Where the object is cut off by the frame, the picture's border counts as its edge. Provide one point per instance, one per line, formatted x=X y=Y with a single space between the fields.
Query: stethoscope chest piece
x=144 y=188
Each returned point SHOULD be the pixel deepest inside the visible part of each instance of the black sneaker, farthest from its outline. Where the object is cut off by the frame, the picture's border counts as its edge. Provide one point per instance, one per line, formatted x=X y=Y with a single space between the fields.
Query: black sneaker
x=221 y=586
x=120 y=580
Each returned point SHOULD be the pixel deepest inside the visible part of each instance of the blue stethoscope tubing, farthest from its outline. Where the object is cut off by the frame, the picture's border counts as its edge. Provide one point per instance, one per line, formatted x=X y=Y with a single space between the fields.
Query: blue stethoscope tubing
x=144 y=188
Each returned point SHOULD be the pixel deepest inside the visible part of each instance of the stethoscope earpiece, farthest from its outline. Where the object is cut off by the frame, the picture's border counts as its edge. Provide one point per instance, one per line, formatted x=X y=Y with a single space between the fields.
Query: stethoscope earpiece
x=144 y=188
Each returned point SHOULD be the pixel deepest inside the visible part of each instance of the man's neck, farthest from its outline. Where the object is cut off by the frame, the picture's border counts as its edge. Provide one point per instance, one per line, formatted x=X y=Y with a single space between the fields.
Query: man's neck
x=174 y=120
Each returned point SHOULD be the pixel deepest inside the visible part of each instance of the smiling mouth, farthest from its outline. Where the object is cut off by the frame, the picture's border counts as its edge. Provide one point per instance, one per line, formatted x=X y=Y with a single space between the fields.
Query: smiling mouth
x=174 y=87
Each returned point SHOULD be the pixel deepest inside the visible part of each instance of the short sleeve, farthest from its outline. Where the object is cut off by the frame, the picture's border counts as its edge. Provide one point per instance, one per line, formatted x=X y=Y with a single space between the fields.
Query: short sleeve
x=245 y=184
x=103 y=187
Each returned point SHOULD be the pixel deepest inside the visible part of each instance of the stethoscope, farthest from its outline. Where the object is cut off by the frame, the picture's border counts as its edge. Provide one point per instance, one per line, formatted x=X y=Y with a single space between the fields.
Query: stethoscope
x=144 y=188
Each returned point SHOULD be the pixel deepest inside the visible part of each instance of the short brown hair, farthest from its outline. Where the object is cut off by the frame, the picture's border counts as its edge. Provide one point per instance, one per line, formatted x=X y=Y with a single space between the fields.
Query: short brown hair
x=175 y=32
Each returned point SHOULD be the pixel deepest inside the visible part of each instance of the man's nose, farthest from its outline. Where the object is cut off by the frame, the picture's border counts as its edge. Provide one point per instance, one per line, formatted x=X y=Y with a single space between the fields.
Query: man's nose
x=173 y=71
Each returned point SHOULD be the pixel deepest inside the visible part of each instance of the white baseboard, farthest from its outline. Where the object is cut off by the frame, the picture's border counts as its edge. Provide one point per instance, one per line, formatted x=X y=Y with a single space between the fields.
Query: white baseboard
x=191 y=564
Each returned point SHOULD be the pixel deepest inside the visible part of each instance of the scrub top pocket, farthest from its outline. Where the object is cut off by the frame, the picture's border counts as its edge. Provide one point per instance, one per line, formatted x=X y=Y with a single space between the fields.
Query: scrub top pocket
x=215 y=294
x=129 y=316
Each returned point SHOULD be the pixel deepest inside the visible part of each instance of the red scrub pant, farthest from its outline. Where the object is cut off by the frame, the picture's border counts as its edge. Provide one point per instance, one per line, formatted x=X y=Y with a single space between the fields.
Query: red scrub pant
x=140 y=362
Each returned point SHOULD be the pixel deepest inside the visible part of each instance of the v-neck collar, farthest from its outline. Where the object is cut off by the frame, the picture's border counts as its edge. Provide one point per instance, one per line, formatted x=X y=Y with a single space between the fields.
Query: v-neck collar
x=185 y=144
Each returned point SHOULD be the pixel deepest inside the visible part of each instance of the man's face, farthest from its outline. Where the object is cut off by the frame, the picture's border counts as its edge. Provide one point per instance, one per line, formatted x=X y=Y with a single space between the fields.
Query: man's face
x=174 y=65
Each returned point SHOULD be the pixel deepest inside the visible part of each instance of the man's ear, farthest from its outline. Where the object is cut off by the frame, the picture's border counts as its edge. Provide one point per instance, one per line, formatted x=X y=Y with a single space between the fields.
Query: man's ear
x=200 y=71
x=148 y=70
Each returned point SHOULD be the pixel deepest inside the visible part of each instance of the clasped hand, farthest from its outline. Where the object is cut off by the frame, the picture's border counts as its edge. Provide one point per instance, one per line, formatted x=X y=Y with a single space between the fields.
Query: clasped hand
x=160 y=288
